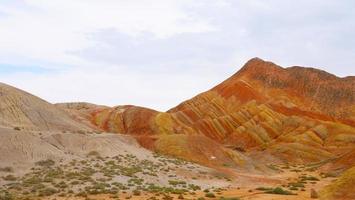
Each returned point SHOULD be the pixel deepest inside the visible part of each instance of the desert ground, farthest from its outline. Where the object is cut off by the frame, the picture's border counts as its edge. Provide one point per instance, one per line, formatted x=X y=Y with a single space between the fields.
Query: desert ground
x=56 y=165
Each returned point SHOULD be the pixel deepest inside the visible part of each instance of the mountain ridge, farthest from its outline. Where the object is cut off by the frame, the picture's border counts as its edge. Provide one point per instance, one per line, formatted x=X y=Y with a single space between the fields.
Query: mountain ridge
x=261 y=107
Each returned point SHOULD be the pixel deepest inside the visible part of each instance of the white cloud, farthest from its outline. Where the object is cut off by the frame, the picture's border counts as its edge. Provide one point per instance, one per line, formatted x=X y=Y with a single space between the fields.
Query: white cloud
x=49 y=30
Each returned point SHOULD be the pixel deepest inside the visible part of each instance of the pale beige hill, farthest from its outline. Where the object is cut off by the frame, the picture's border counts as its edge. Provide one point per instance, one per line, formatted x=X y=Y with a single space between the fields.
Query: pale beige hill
x=107 y=158
x=82 y=112
x=21 y=109
x=24 y=148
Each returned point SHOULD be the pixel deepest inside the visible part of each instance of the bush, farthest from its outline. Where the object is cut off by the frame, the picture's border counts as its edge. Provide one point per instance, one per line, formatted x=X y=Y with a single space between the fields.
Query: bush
x=45 y=163
x=6 y=169
x=309 y=178
x=175 y=182
x=210 y=195
x=279 y=190
x=47 y=192
x=264 y=188
x=194 y=187
x=136 y=192
x=93 y=153
x=293 y=188
x=9 y=178
x=229 y=198
x=6 y=196
x=298 y=184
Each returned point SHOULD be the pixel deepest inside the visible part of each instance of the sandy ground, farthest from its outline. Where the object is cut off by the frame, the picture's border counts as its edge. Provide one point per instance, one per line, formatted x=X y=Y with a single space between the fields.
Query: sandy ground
x=245 y=193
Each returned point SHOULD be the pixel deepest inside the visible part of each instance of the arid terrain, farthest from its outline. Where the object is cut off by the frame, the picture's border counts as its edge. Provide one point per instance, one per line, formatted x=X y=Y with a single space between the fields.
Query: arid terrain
x=267 y=132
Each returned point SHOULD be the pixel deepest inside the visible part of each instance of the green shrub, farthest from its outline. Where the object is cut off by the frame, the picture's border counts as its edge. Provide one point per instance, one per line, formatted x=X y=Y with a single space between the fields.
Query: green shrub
x=194 y=187
x=45 y=163
x=309 y=178
x=210 y=195
x=264 y=188
x=293 y=188
x=176 y=182
x=298 y=184
x=47 y=192
x=229 y=198
x=280 y=191
x=6 y=196
x=6 y=169
x=9 y=178
x=136 y=192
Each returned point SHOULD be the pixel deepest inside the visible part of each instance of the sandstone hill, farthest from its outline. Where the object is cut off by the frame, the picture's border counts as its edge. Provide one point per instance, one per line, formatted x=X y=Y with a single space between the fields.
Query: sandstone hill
x=342 y=188
x=291 y=114
x=25 y=111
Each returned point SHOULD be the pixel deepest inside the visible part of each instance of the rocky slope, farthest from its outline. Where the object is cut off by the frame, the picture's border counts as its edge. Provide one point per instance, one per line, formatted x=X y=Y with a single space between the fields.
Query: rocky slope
x=342 y=188
x=293 y=114
x=296 y=114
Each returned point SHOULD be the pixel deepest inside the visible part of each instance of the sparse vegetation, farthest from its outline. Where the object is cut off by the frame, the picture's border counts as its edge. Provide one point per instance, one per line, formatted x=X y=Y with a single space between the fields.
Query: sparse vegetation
x=96 y=175
x=6 y=169
x=45 y=163
x=93 y=153
x=210 y=195
x=5 y=195
x=229 y=198
x=9 y=178
x=279 y=190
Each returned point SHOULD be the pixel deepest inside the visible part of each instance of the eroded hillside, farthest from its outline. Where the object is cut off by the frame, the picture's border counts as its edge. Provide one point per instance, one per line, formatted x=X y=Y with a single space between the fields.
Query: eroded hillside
x=294 y=114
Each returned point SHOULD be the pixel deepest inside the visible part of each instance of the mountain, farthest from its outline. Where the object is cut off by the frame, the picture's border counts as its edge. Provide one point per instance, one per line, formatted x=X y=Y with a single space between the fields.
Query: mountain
x=315 y=93
x=298 y=113
x=265 y=131
x=291 y=114
x=21 y=110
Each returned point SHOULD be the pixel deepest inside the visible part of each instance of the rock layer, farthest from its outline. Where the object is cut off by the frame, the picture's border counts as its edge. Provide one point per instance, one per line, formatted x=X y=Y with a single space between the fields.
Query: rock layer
x=296 y=114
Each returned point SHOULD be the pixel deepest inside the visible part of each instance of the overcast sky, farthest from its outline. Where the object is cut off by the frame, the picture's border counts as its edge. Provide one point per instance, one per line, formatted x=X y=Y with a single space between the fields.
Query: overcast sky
x=157 y=53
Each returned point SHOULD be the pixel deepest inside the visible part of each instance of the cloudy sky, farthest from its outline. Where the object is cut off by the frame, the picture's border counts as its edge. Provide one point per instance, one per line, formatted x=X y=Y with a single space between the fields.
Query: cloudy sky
x=157 y=53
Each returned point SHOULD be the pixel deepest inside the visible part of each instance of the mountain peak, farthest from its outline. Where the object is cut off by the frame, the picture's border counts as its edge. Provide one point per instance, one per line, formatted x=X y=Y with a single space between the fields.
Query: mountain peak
x=258 y=65
x=255 y=59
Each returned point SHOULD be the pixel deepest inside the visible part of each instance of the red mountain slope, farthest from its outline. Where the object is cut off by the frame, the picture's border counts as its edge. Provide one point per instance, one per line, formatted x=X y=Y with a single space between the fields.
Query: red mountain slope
x=293 y=114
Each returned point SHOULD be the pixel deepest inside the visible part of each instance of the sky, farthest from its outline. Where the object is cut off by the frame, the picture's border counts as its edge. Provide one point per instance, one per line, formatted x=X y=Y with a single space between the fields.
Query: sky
x=158 y=53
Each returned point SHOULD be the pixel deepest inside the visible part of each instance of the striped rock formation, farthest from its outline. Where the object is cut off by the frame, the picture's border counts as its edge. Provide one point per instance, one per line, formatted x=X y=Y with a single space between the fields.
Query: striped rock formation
x=290 y=114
